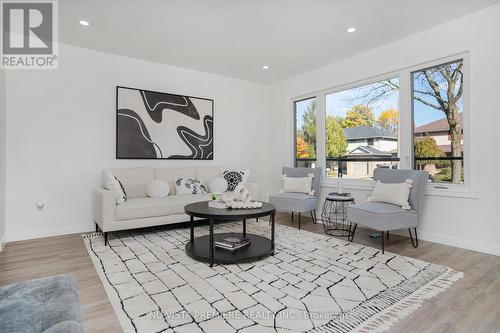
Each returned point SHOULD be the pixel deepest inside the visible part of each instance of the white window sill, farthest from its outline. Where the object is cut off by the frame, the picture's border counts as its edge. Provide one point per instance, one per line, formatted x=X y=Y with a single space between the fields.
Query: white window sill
x=456 y=191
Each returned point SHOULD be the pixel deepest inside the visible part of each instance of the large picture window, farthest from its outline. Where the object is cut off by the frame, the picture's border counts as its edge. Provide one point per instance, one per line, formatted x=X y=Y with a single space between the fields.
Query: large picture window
x=419 y=117
x=305 y=132
x=361 y=129
x=438 y=112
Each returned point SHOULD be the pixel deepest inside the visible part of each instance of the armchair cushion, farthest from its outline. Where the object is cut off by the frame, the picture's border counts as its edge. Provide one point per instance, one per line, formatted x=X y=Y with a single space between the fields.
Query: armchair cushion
x=382 y=216
x=294 y=202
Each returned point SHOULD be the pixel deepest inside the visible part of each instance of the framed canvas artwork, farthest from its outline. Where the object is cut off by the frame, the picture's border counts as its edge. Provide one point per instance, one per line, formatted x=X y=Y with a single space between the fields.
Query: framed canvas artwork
x=155 y=125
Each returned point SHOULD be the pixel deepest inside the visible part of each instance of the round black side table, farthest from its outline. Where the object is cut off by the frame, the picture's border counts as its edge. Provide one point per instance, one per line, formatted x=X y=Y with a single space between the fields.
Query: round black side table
x=334 y=215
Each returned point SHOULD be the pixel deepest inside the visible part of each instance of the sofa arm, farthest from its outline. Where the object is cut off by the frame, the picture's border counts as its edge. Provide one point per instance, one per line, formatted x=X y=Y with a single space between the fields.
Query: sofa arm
x=253 y=188
x=104 y=207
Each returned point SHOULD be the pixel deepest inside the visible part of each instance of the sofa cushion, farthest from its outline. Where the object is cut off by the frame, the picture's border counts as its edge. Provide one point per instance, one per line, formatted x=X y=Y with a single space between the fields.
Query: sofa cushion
x=41 y=305
x=142 y=207
x=207 y=174
x=134 y=180
x=139 y=208
x=170 y=175
x=176 y=203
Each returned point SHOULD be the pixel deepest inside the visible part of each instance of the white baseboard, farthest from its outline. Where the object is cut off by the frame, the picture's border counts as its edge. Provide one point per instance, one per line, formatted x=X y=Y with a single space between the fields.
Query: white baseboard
x=467 y=244
x=41 y=233
x=488 y=248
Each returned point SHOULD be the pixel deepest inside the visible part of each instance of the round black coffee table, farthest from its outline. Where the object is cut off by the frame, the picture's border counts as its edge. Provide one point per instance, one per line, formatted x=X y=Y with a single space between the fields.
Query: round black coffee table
x=203 y=249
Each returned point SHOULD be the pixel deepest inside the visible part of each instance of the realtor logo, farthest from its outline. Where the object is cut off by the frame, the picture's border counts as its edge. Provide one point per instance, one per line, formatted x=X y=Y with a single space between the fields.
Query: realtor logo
x=29 y=34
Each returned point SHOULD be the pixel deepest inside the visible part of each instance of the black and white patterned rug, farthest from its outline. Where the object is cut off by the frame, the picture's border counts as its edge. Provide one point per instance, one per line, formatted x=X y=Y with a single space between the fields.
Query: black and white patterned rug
x=313 y=283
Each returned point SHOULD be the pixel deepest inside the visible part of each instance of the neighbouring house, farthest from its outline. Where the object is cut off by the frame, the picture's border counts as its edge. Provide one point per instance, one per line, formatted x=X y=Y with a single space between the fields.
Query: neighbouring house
x=368 y=142
x=377 y=138
x=439 y=130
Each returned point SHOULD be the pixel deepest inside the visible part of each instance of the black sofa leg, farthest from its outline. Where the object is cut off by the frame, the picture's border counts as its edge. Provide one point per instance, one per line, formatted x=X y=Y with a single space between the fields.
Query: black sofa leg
x=387 y=234
x=414 y=242
x=292 y=216
x=105 y=238
x=96 y=228
x=299 y=221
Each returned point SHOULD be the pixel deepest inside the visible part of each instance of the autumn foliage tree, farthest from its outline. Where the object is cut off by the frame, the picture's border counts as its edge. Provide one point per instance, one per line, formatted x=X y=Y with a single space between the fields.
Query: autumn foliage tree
x=359 y=115
x=388 y=120
x=302 y=149
x=308 y=129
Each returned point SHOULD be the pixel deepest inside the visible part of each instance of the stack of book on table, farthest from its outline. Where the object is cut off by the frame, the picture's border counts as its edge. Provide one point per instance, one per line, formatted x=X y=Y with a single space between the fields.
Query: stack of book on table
x=232 y=243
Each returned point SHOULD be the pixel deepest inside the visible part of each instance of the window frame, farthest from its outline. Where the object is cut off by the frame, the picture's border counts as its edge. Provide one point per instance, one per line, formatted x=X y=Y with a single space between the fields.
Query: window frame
x=351 y=182
x=467 y=189
x=294 y=106
x=405 y=133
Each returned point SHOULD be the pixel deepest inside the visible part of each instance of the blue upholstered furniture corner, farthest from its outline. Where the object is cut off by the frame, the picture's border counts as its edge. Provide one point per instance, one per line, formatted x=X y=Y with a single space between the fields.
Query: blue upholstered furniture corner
x=48 y=305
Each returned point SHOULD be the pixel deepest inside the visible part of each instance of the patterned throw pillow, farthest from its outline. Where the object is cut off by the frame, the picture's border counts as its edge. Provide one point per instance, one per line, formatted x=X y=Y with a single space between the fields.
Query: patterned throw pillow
x=113 y=184
x=233 y=178
x=189 y=186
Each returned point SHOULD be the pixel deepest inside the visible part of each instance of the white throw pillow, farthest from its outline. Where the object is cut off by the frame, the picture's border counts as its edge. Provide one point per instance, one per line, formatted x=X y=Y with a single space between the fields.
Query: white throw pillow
x=297 y=184
x=234 y=177
x=217 y=185
x=392 y=193
x=189 y=186
x=110 y=182
x=157 y=189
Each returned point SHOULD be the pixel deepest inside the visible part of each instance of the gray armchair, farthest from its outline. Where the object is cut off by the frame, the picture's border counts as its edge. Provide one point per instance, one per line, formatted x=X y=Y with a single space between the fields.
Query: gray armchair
x=386 y=217
x=299 y=202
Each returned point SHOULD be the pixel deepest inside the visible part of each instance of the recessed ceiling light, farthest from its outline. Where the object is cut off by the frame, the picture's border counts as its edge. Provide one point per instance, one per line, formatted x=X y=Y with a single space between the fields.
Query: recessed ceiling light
x=84 y=23
x=351 y=29
x=265 y=66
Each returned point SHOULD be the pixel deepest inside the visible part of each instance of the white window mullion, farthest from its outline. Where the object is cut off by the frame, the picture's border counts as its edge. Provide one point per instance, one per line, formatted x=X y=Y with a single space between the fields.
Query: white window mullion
x=405 y=121
x=320 y=131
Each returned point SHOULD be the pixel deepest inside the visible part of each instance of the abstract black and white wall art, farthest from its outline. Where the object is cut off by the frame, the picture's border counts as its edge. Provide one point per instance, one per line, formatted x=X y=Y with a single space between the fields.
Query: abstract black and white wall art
x=154 y=125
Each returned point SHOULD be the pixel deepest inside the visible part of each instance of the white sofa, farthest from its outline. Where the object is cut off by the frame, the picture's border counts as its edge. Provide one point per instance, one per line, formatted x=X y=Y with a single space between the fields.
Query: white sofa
x=141 y=211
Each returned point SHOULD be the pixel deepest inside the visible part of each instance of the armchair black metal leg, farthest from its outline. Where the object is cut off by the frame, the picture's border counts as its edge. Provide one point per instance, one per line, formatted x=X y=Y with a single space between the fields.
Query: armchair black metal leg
x=383 y=249
x=414 y=242
x=299 y=221
x=387 y=234
x=351 y=237
x=96 y=228
x=292 y=216
x=105 y=238
x=315 y=217
x=312 y=217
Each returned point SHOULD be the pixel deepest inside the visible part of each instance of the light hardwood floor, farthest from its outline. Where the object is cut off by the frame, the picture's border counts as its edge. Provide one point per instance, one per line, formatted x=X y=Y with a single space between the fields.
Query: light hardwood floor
x=471 y=305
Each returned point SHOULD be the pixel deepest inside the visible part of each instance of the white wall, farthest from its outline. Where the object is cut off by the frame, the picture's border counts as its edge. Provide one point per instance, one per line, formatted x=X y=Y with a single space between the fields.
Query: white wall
x=3 y=161
x=61 y=133
x=472 y=223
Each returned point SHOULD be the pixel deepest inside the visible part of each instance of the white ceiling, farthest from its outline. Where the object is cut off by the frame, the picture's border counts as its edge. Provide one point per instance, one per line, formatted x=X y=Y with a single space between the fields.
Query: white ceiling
x=235 y=37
